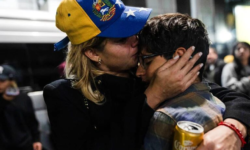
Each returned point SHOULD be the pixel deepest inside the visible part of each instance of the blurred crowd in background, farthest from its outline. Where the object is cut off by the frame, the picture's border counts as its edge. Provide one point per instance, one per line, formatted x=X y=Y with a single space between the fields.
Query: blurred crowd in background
x=27 y=35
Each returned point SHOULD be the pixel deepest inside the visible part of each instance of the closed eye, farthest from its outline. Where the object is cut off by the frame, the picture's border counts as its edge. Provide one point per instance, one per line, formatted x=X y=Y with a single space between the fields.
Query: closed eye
x=148 y=63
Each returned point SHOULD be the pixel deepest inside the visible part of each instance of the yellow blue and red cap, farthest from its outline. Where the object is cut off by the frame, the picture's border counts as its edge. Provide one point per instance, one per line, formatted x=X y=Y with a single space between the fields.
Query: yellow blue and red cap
x=82 y=20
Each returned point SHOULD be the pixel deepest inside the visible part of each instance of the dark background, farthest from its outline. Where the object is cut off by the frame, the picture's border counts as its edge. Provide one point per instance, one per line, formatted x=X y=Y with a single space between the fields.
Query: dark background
x=36 y=64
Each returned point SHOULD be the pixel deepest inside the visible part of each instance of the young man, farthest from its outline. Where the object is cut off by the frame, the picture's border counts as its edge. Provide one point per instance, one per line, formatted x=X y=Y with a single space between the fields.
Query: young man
x=164 y=37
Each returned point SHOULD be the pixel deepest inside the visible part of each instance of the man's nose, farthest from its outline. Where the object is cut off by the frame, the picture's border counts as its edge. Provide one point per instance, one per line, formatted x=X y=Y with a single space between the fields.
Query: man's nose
x=140 y=71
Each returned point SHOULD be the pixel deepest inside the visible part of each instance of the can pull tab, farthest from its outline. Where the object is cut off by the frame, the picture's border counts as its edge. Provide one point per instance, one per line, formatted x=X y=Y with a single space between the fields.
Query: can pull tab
x=190 y=128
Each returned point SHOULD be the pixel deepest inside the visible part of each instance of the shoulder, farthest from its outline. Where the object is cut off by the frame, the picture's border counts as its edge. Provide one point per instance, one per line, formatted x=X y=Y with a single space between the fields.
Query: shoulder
x=61 y=88
x=229 y=66
x=161 y=126
x=220 y=63
x=22 y=98
x=61 y=83
x=161 y=115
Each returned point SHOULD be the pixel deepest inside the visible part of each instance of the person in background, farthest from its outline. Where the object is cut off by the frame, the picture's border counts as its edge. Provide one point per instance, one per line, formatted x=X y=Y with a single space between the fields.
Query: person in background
x=214 y=66
x=236 y=75
x=18 y=124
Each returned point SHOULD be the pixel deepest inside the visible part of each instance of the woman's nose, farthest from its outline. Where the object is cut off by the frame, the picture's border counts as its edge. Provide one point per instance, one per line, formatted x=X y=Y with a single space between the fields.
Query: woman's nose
x=140 y=71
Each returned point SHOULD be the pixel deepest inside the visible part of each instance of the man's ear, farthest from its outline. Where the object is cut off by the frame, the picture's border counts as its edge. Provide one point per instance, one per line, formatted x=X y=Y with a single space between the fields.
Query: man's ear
x=180 y=51
x=92 y=55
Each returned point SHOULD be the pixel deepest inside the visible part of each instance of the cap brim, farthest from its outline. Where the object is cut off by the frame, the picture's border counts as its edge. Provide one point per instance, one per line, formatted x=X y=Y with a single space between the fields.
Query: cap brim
x=127 y=25
x=3 y=77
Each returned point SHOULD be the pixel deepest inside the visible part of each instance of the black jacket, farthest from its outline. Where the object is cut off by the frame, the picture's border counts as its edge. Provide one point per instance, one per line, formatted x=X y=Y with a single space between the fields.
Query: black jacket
x=117 y=124
x=121 y=122
x=18 y=124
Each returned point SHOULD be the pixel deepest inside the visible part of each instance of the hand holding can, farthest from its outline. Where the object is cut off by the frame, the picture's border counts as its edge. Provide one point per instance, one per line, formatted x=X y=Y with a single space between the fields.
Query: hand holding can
x=188 y=135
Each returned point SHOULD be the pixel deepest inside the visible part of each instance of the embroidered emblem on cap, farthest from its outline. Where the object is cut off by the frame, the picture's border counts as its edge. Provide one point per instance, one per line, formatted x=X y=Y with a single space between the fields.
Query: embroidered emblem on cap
x=103 y=9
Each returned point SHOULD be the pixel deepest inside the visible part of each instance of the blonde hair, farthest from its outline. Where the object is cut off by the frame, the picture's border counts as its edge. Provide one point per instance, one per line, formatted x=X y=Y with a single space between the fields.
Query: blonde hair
x=13 y=84
x=82 y=70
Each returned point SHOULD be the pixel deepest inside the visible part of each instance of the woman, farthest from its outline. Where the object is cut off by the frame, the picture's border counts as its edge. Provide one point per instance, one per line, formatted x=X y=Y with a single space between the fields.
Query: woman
x=101 y=104
x=236 y=75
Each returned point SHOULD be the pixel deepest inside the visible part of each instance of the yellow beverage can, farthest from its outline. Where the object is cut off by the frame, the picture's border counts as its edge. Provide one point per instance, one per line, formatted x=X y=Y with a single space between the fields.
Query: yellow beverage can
x=188 y=135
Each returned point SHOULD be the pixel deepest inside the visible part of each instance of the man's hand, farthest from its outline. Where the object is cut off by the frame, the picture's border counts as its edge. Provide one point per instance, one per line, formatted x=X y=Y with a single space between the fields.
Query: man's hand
x=220 y=138
x=37 y=146
x=223 y=138
x=172 y=78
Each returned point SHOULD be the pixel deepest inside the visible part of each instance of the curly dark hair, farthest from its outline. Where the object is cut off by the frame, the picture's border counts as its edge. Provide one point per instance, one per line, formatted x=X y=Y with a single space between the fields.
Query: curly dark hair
x=165 y=33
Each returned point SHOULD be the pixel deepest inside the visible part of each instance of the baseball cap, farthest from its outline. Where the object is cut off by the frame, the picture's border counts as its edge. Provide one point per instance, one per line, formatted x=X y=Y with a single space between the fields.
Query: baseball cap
x=7 y=72
x=82 y=20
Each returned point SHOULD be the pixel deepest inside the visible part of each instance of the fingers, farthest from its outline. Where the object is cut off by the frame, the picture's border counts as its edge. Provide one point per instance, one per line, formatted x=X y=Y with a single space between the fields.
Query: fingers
x=192 y=75
x=184 y=59
x=169 y=63
x=191 y=63
x=190 y=81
